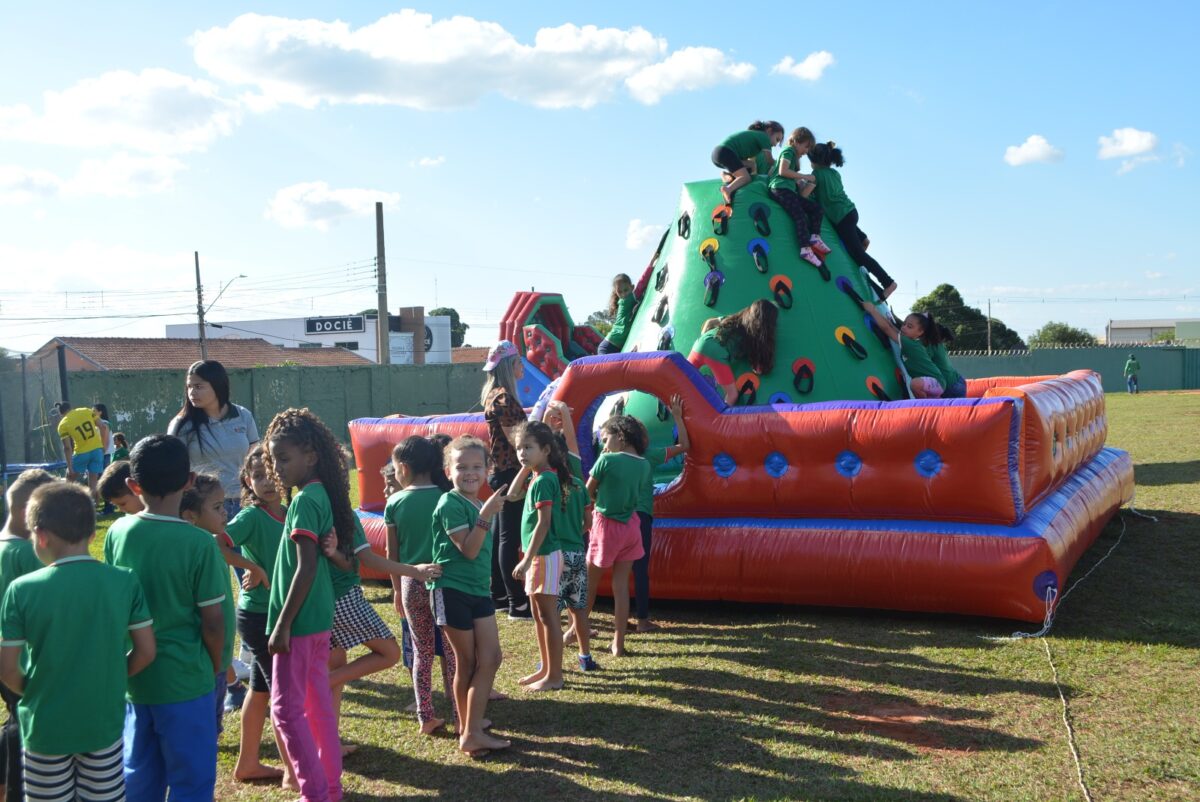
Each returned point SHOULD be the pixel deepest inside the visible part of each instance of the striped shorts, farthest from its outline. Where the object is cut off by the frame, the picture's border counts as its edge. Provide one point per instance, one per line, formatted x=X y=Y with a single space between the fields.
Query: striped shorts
x=544 y=574
x=98 y=776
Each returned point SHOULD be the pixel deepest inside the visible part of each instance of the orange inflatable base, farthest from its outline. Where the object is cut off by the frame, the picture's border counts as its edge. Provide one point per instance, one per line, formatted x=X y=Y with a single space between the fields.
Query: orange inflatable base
x=926 y=566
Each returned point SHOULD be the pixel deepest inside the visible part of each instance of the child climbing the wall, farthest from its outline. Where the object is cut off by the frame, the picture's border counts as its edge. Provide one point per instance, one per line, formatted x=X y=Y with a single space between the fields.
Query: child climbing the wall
x=418 y=464
x=737 y=151
x=621 y=306
x=785 y=188
x=917 y=332
x=841 y=212
x=615 y=484
x=955 y=384
x=748 y=335
x=461 y=598
x=645 y=509
x=544 y=465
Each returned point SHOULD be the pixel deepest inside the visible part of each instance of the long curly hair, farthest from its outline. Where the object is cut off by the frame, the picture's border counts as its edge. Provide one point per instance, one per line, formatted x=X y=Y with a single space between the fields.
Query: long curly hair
x=752 y=332
x=257 y=453
x=544 y=436
x=303 y=429
x=630 y=429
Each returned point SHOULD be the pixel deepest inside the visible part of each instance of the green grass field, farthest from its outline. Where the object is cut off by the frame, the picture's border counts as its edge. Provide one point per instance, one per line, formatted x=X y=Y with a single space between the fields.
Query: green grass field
x=751 y=702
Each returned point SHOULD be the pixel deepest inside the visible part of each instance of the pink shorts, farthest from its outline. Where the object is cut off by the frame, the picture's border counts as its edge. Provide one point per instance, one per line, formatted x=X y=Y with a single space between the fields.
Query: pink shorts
x=927 y=387
x=613 y=541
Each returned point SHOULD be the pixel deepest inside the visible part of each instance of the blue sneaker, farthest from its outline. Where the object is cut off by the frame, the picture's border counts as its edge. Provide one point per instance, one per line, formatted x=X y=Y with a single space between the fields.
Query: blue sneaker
x=234 y=696
x=586 y=663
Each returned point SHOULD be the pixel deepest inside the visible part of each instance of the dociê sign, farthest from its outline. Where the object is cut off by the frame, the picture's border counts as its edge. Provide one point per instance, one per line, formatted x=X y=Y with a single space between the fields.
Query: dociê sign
x=335 y=325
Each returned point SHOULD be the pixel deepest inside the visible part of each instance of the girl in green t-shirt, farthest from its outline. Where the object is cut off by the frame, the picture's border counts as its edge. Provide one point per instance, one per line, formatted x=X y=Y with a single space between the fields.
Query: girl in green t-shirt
x=841 y=211
x=913 y=336
x=748 y=335
x=955 y=382
x=738 y=151
x=791 y=189
x=621 y=306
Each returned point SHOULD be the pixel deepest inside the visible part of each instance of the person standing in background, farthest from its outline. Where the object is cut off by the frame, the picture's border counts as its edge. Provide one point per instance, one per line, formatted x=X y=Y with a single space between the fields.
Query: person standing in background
x=100 y=413
x=83 y=447
x=1132 y=366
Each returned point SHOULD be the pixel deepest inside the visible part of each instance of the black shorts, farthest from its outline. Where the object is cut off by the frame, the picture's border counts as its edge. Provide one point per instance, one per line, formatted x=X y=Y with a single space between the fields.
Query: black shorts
x=727 y=160
x=453 y=608
x=253 y=629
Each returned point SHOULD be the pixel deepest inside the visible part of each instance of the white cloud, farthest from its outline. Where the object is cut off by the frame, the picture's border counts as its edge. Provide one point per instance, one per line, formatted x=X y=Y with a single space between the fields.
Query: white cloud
x=811 y=69
x=119 y=176
x=154 y=111
x=1126 y=142
x=315 y=204
x=410 y=59
x=430 y=161
x=1034 y=149
x=1154 y=275
x=688 y=69
x=638 y=235
x=21 y=185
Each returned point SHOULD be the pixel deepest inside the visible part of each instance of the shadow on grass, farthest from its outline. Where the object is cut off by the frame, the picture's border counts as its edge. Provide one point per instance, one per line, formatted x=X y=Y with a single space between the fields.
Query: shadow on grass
x=1168 y=473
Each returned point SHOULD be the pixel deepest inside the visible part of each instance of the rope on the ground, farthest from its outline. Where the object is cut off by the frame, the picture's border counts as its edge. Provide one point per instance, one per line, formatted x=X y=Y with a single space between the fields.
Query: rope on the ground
x=1066 y=717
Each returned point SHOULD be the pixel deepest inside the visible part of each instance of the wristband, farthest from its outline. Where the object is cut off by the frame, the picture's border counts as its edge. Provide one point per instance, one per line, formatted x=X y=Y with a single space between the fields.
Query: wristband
x=485 y=524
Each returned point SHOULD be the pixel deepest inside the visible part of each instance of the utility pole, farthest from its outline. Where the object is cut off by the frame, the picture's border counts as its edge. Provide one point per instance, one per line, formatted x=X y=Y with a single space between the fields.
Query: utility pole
x=381 y=321
x=200 y=309
x=989 y=326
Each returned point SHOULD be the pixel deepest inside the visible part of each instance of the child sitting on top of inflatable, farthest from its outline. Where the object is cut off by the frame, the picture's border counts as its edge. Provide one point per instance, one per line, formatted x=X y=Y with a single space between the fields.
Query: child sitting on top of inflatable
x=738 y=151
x=621 y=306
x=915 y=335
x=747 y=335
x=790 y=189
x=841 y=212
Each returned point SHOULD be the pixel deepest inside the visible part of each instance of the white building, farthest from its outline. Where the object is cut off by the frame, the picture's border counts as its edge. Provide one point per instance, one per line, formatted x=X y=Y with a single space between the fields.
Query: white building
x=1142 y=331
x=355 y=333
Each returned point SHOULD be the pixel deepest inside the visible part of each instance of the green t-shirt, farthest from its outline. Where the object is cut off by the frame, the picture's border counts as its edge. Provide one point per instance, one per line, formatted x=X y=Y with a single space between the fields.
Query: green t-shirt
x=120 y=454
x=620 y=327
x=621 y=476
x=831 y=195
x=762 y=165
x=544 y=491
x=309 y=516
x=17 y=558
x=717 y=356
x=343 y=581
x=1132 y=366
x=568 y=526
x=257 y=532
x=747 y=144
x=778 y=181
x=941 y=360
x=576 y=465
x=73 y=617
x=411 y=512
x=455 y=512
x=917 y=360
x=181 y=570
x=654 y=457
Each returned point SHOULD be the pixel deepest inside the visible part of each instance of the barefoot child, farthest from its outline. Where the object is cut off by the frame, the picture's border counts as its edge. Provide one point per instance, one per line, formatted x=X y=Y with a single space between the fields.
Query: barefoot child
x=550 y=479
x=257 y=530
x=69 y=663
x=621 y=305
x=462 y=602
x=302 y=452
x=738 y=150
x=409 y=514
x=616 y=481
x=170 y=729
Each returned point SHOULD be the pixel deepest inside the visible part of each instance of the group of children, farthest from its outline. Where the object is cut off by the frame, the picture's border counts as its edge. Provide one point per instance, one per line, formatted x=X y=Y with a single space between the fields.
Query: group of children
x=127 y=698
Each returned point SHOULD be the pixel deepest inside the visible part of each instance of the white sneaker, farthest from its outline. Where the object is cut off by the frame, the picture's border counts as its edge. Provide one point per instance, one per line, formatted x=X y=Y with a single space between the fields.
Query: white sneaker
x=807 y=255
x=242 y=670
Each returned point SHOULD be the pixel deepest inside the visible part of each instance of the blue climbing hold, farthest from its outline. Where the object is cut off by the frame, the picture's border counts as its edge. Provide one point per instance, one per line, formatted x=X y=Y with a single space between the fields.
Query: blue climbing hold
x=928 y=463
x=780 y=398
x=848 y=464
x=776 y=464
x=724 y=465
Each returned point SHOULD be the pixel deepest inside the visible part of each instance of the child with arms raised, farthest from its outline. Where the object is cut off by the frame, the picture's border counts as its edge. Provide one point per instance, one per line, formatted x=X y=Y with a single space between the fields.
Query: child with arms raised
x=461 y=599
x=913 y=335
x=615 y=484
x=748 y=334
x=72 y=686
x=544 y=464
x=621 y=306
x=170 y=729
x=418 y=468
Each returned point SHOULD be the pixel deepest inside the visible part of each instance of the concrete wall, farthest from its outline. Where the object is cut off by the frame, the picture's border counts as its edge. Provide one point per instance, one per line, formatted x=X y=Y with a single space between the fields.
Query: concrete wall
x=1163 y=368
x=143 y=402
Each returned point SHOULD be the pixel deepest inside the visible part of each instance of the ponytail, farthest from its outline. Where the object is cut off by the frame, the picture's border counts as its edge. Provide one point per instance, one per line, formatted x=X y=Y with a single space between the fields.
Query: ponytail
x=826 y=154
x=769 y=126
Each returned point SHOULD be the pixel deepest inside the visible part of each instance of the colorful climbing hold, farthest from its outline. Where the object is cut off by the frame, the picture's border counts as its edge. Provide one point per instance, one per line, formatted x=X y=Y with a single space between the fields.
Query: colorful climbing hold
x=758 y=249
x=803 y=375
x=759 y=213
x=846 y=337
x=781 y=288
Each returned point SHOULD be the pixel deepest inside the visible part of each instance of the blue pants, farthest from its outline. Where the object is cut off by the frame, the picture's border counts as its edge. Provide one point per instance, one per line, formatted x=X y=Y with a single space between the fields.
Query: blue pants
x=1131 y=383
x=171 y=746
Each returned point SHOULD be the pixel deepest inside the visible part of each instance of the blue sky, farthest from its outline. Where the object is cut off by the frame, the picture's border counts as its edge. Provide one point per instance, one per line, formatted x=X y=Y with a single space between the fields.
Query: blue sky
x=513 y=152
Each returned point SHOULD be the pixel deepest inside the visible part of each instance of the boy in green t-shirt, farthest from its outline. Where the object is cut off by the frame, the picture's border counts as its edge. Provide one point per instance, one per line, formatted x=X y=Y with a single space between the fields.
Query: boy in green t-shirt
x=115 y=491
x=16 y=560
x=170 y=729
x=72 y=708
x=1132 y=366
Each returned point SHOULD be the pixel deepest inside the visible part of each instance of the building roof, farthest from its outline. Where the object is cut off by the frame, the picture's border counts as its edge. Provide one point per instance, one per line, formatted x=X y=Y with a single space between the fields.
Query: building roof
x=1155 y=323
x=466 y=355
x=170 y=353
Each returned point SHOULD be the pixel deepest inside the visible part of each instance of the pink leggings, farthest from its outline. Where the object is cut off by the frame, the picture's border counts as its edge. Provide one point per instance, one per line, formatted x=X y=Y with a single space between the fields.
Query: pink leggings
x=415 y=599
x=302 y=708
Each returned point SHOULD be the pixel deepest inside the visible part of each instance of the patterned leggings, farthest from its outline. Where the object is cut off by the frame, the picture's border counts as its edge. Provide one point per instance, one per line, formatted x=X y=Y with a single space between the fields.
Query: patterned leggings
x=415 y=599
x=805 y=213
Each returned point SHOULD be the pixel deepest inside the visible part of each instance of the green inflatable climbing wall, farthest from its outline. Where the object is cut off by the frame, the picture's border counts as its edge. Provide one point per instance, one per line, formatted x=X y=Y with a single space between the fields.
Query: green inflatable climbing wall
x=826 y=348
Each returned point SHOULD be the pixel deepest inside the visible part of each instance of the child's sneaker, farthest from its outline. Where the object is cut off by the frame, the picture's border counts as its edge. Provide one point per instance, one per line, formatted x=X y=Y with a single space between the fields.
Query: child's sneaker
x=818 y=244
x=235 y=694
x=807 y=255
x=586 y=663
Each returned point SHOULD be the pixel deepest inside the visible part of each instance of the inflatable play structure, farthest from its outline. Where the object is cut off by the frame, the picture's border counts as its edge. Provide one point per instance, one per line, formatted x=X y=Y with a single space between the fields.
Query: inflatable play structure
x=824 y=484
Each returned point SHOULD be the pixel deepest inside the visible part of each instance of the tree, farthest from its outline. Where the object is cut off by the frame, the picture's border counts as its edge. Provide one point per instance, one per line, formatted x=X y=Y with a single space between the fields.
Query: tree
x=601 y=321
x=8 y=361
x=1058 y=334
x=970 y=326
x=458 y=329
